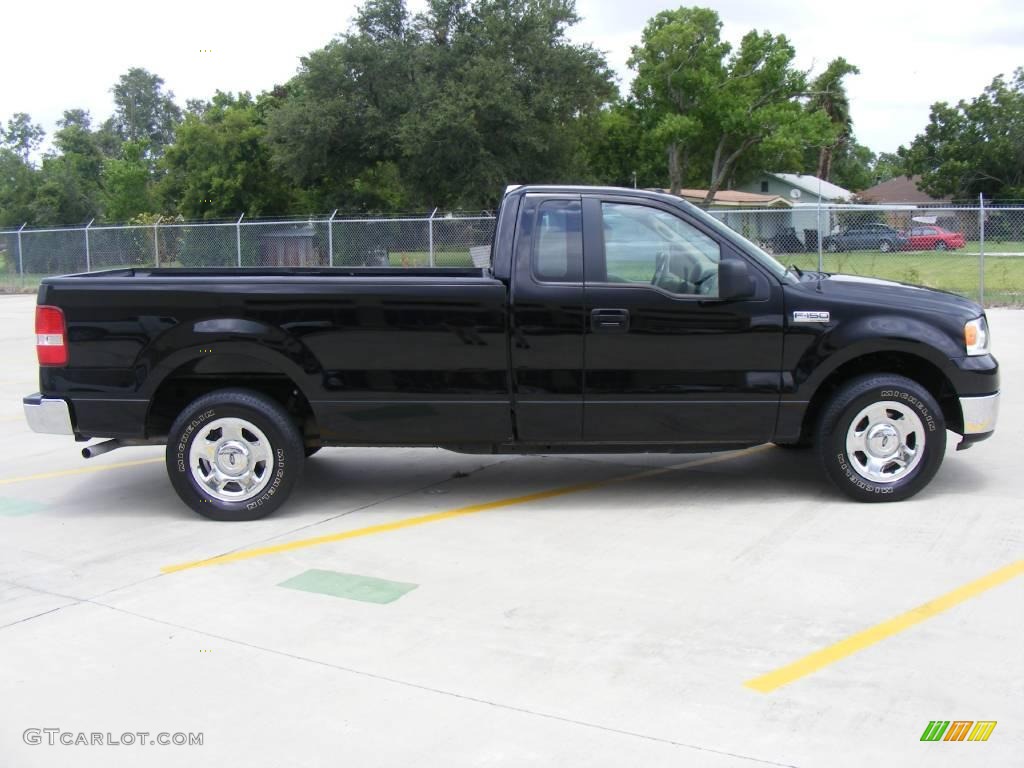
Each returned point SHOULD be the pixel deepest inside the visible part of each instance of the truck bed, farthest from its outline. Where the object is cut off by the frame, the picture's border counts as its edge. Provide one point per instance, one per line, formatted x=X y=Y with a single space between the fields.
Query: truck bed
x=353 y=341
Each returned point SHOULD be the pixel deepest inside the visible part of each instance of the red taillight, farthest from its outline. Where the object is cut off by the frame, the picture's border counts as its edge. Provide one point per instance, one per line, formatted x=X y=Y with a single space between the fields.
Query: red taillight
x=51 y=336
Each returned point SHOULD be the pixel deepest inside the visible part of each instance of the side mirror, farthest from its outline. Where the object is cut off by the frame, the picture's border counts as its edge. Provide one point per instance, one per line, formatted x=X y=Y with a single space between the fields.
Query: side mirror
x=734 y=280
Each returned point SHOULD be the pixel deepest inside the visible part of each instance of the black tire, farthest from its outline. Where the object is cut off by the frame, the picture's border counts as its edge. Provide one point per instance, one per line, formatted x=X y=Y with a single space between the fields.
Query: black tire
x=941 y=246
x=285 y=447
x=836 y=422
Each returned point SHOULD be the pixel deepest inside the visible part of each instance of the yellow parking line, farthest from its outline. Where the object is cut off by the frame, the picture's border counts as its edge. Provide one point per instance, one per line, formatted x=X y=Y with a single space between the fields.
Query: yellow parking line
x=78 y=471
x=410 y=522
x=858 y=642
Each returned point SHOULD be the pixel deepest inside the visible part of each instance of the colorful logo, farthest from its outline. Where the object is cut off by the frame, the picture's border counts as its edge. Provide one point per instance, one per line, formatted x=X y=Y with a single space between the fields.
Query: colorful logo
x=958 y=730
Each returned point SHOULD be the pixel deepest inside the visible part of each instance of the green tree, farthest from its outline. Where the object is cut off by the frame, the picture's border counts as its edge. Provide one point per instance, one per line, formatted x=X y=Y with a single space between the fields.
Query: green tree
x=449 y=106
x=853 y=166
x=888 y=165
x=143 y=110
x=722 y=114
x=976 y=147
x=757 y=113
x=219 y=164
x=828 y=94
x=127 y=183
x=679 y=66
x=619 y=152
x=69 y=186
x=21 y=135
x=18 y=182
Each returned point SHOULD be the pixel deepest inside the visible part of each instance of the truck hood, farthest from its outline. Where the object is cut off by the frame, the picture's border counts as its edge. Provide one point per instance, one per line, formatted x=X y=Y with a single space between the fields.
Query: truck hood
x=873 y=291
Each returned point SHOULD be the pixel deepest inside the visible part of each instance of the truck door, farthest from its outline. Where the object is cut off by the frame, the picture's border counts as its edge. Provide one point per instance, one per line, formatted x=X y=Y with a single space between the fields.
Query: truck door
x=547 y=320
x=667 y=360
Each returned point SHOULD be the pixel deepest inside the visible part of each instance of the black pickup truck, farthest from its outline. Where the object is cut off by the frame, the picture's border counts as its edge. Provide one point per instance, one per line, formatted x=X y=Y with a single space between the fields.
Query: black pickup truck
x=610 y=320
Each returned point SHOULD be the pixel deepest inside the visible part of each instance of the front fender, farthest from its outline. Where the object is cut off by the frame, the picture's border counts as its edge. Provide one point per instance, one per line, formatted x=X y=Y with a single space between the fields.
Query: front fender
x=818 y=355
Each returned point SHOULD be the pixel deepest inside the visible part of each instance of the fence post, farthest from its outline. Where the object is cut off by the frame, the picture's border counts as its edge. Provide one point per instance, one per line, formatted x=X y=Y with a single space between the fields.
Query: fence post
x=981 y=248
x=330 y=239
x=821 y=258
x=21 y=261
x=156 y=242
x=238 y=237
x=88 y=267
x=430 y=224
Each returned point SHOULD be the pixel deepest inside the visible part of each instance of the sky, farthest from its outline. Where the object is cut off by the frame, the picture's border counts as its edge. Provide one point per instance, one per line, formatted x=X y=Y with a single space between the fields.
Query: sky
x=64 y=55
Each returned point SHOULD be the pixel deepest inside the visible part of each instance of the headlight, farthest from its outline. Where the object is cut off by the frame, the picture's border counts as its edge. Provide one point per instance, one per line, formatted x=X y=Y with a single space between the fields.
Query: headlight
x=976 y=337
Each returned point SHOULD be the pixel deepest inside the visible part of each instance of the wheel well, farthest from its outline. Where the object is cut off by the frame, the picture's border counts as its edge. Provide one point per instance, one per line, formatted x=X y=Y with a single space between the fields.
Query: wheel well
x=916 y=368
x=186 y=384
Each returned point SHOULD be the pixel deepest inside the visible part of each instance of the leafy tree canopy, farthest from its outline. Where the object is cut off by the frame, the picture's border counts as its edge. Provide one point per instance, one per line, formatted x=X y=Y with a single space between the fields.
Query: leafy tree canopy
x=143 y=110
x=976 y=147
x=721 y=113
x=219 y=164
x=21 y=135
x=449 y=105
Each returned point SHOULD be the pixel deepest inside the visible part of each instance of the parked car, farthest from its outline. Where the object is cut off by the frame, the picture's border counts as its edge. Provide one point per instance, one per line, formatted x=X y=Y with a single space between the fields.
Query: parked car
x=932 y=238
x=784 y=241
x=866 y=237
x=609 y=321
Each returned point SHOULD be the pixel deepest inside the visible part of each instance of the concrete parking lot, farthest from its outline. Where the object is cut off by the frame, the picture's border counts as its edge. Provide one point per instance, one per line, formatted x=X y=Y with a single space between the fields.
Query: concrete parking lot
x=417 y=607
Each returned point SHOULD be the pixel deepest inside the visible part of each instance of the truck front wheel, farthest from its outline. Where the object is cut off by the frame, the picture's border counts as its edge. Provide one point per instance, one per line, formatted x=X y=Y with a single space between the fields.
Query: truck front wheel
x=882 y=437
x=234 y=455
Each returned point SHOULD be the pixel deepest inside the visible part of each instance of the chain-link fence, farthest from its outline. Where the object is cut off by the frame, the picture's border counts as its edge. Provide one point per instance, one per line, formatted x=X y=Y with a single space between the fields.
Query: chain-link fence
x=28 y=255
x=977 y=251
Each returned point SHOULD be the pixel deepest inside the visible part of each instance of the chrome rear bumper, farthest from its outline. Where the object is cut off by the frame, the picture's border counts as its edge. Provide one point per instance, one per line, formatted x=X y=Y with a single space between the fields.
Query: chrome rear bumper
x=48 y=415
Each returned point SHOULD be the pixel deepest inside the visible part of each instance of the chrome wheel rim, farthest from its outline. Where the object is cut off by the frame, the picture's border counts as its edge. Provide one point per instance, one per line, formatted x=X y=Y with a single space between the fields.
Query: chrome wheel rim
x=885 y=442
x=886 y=246
x=231 y=459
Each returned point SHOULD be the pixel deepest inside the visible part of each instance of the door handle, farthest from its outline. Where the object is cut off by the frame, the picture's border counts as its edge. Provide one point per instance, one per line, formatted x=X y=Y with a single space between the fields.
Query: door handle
x=609 y=320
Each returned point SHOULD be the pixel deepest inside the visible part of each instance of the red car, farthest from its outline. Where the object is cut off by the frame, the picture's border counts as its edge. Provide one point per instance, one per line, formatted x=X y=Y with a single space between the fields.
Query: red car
x=933 y=238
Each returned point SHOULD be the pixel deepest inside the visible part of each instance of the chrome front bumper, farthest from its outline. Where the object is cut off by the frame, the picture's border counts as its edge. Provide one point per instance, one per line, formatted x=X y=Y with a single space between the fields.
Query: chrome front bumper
x=980 y=413
x=48 y=415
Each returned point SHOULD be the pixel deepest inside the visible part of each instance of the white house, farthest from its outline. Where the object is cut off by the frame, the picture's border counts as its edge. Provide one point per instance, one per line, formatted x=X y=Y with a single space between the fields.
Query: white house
x=806 y=193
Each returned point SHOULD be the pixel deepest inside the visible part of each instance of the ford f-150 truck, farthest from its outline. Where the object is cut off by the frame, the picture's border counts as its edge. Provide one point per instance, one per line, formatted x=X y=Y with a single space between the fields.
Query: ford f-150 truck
x=610 y=320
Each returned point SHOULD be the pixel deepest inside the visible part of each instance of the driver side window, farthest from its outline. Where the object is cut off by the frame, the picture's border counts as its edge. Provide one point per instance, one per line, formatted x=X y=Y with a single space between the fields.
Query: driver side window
x=648 y=246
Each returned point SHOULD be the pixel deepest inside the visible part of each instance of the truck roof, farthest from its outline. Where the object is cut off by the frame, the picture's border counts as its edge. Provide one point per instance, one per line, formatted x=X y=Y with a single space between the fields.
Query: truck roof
x=582 y=189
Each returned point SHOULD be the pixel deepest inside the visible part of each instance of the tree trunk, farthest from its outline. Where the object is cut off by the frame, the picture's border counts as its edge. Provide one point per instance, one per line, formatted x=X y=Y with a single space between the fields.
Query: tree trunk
x=723 y=169
x=675 y=176
x=824 y=161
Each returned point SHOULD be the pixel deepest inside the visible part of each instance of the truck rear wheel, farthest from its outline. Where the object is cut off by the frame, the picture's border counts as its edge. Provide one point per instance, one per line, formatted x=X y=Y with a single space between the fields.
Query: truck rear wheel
x=881 y=438
x=234 y=455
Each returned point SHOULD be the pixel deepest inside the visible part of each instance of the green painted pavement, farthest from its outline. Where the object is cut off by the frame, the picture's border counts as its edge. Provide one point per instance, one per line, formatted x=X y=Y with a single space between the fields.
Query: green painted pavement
x=366 y=589
x=19 y=507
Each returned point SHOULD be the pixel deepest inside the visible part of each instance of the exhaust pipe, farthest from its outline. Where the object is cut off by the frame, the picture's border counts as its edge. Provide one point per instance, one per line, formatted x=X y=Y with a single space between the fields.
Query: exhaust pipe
x=91 y=451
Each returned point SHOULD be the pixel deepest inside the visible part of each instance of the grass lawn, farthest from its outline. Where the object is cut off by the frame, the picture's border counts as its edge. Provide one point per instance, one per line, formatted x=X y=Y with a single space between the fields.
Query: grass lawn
x=955 y=271
x=442 y=258
x=13 y=283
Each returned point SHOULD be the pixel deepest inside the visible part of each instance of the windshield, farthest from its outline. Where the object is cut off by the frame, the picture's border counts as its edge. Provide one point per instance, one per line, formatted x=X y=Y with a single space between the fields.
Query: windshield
x=762 y=256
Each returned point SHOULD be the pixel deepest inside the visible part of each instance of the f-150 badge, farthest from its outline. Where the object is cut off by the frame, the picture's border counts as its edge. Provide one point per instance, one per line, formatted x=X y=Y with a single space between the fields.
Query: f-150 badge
x=811 y=317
